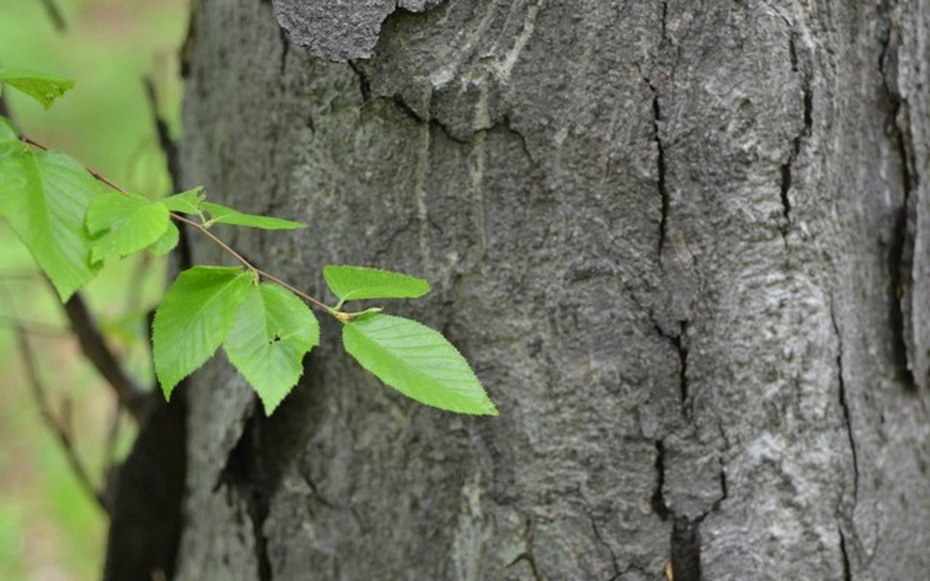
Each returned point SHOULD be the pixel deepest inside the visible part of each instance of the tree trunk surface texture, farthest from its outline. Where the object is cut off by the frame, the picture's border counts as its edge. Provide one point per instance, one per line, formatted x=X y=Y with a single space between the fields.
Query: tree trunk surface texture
x=684 y=245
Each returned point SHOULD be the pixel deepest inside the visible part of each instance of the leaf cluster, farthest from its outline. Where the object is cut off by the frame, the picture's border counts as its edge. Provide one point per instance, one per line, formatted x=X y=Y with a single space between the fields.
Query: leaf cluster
x=264 y=325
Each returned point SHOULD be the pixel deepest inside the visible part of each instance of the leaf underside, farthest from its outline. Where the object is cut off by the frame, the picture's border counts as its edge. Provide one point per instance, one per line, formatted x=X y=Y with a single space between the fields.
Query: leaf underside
x=417 y=361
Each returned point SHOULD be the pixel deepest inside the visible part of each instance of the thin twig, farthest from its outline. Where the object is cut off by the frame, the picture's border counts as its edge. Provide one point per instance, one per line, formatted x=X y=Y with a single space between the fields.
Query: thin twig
x=97 y=175
x=130 y=393
x=57 y=427
x=55 y=15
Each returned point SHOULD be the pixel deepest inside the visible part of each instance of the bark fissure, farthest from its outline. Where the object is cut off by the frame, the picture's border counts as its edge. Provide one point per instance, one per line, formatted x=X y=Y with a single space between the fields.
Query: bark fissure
x=847 y=570
x=527 y=554
x=364 y=83
x=807 y=116
x=901 y=248
x=603 y=542
x=658 y=497
x=660 y=166
x=243 y=475
x=686 y=549
x=844 y=405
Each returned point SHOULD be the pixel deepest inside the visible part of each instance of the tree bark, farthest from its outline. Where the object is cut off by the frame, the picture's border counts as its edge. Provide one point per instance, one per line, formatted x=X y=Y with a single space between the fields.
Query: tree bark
x=683 y=244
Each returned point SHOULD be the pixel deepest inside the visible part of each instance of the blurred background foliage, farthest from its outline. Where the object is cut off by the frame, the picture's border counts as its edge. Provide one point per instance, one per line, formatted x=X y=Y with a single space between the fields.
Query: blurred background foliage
x=50 y=528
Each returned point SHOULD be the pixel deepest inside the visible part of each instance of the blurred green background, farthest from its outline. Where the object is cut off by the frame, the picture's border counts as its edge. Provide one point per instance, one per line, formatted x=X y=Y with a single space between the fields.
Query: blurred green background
x=50 y=529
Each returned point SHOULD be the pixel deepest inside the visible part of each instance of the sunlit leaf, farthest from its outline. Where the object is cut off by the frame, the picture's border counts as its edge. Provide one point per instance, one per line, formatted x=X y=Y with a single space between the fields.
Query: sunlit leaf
x=166 y=242
x=271 y=333
x=358 y=282
x=193 y=320
x=417 y=361
x=44 y=196
x=124 y=224
x=187 y=202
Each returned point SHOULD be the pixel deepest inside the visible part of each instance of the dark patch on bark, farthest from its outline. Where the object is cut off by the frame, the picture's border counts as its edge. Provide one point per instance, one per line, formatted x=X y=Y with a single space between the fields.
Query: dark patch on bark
x=285 y=50
x=686 y=550
x=147 y=494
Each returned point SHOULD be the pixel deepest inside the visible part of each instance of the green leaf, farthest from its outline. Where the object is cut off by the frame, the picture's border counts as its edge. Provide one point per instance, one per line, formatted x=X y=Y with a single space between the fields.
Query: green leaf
x=417 y=361
x=225 y=215
x=167 y=242
x=193 y=320
x=125 y=223
x=187 y=202
x=359 y=282
x=43 y=88
x=272 y=330
x=45 y=195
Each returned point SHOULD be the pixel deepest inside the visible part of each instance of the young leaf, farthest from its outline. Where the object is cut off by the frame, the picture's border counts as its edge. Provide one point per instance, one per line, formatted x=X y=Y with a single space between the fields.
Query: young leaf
x=125 y=223
x=187 y=202
x=417 y=361
x=44 y=196
x=43 y=88
x=272 y=330
x=193 y=320
x=359 y=282
x=166 y=242
x=225 y=215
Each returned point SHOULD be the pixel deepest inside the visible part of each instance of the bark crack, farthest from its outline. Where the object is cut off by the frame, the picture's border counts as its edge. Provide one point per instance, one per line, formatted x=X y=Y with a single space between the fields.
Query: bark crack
x=807 y=116
x=244 y=474
x=844 y=404
x=686 y=549
x=600 y=539
x=847 y=570
x=679 y=341
x=658 y=497
x=900 y=254
x=364 y=83
x=527 y=554
x=660 y=165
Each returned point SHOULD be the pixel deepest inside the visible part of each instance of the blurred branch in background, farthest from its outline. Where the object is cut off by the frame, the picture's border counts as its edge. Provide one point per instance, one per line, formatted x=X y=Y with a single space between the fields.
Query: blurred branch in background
x=59 y=426
x=55 y=15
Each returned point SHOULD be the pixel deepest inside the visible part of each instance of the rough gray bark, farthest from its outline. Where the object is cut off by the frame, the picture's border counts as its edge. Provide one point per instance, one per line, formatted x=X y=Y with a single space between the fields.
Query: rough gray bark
x=684 y=245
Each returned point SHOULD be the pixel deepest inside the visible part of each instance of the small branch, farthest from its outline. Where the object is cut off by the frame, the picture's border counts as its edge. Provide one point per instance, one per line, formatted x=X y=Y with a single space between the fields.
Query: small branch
x=97 y=175
x=59 y=428
x=131 y=395
x=55 y=15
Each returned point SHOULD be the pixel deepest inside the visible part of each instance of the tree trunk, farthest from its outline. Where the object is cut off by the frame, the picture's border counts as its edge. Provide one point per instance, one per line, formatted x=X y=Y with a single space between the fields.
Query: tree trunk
x=684 y=244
